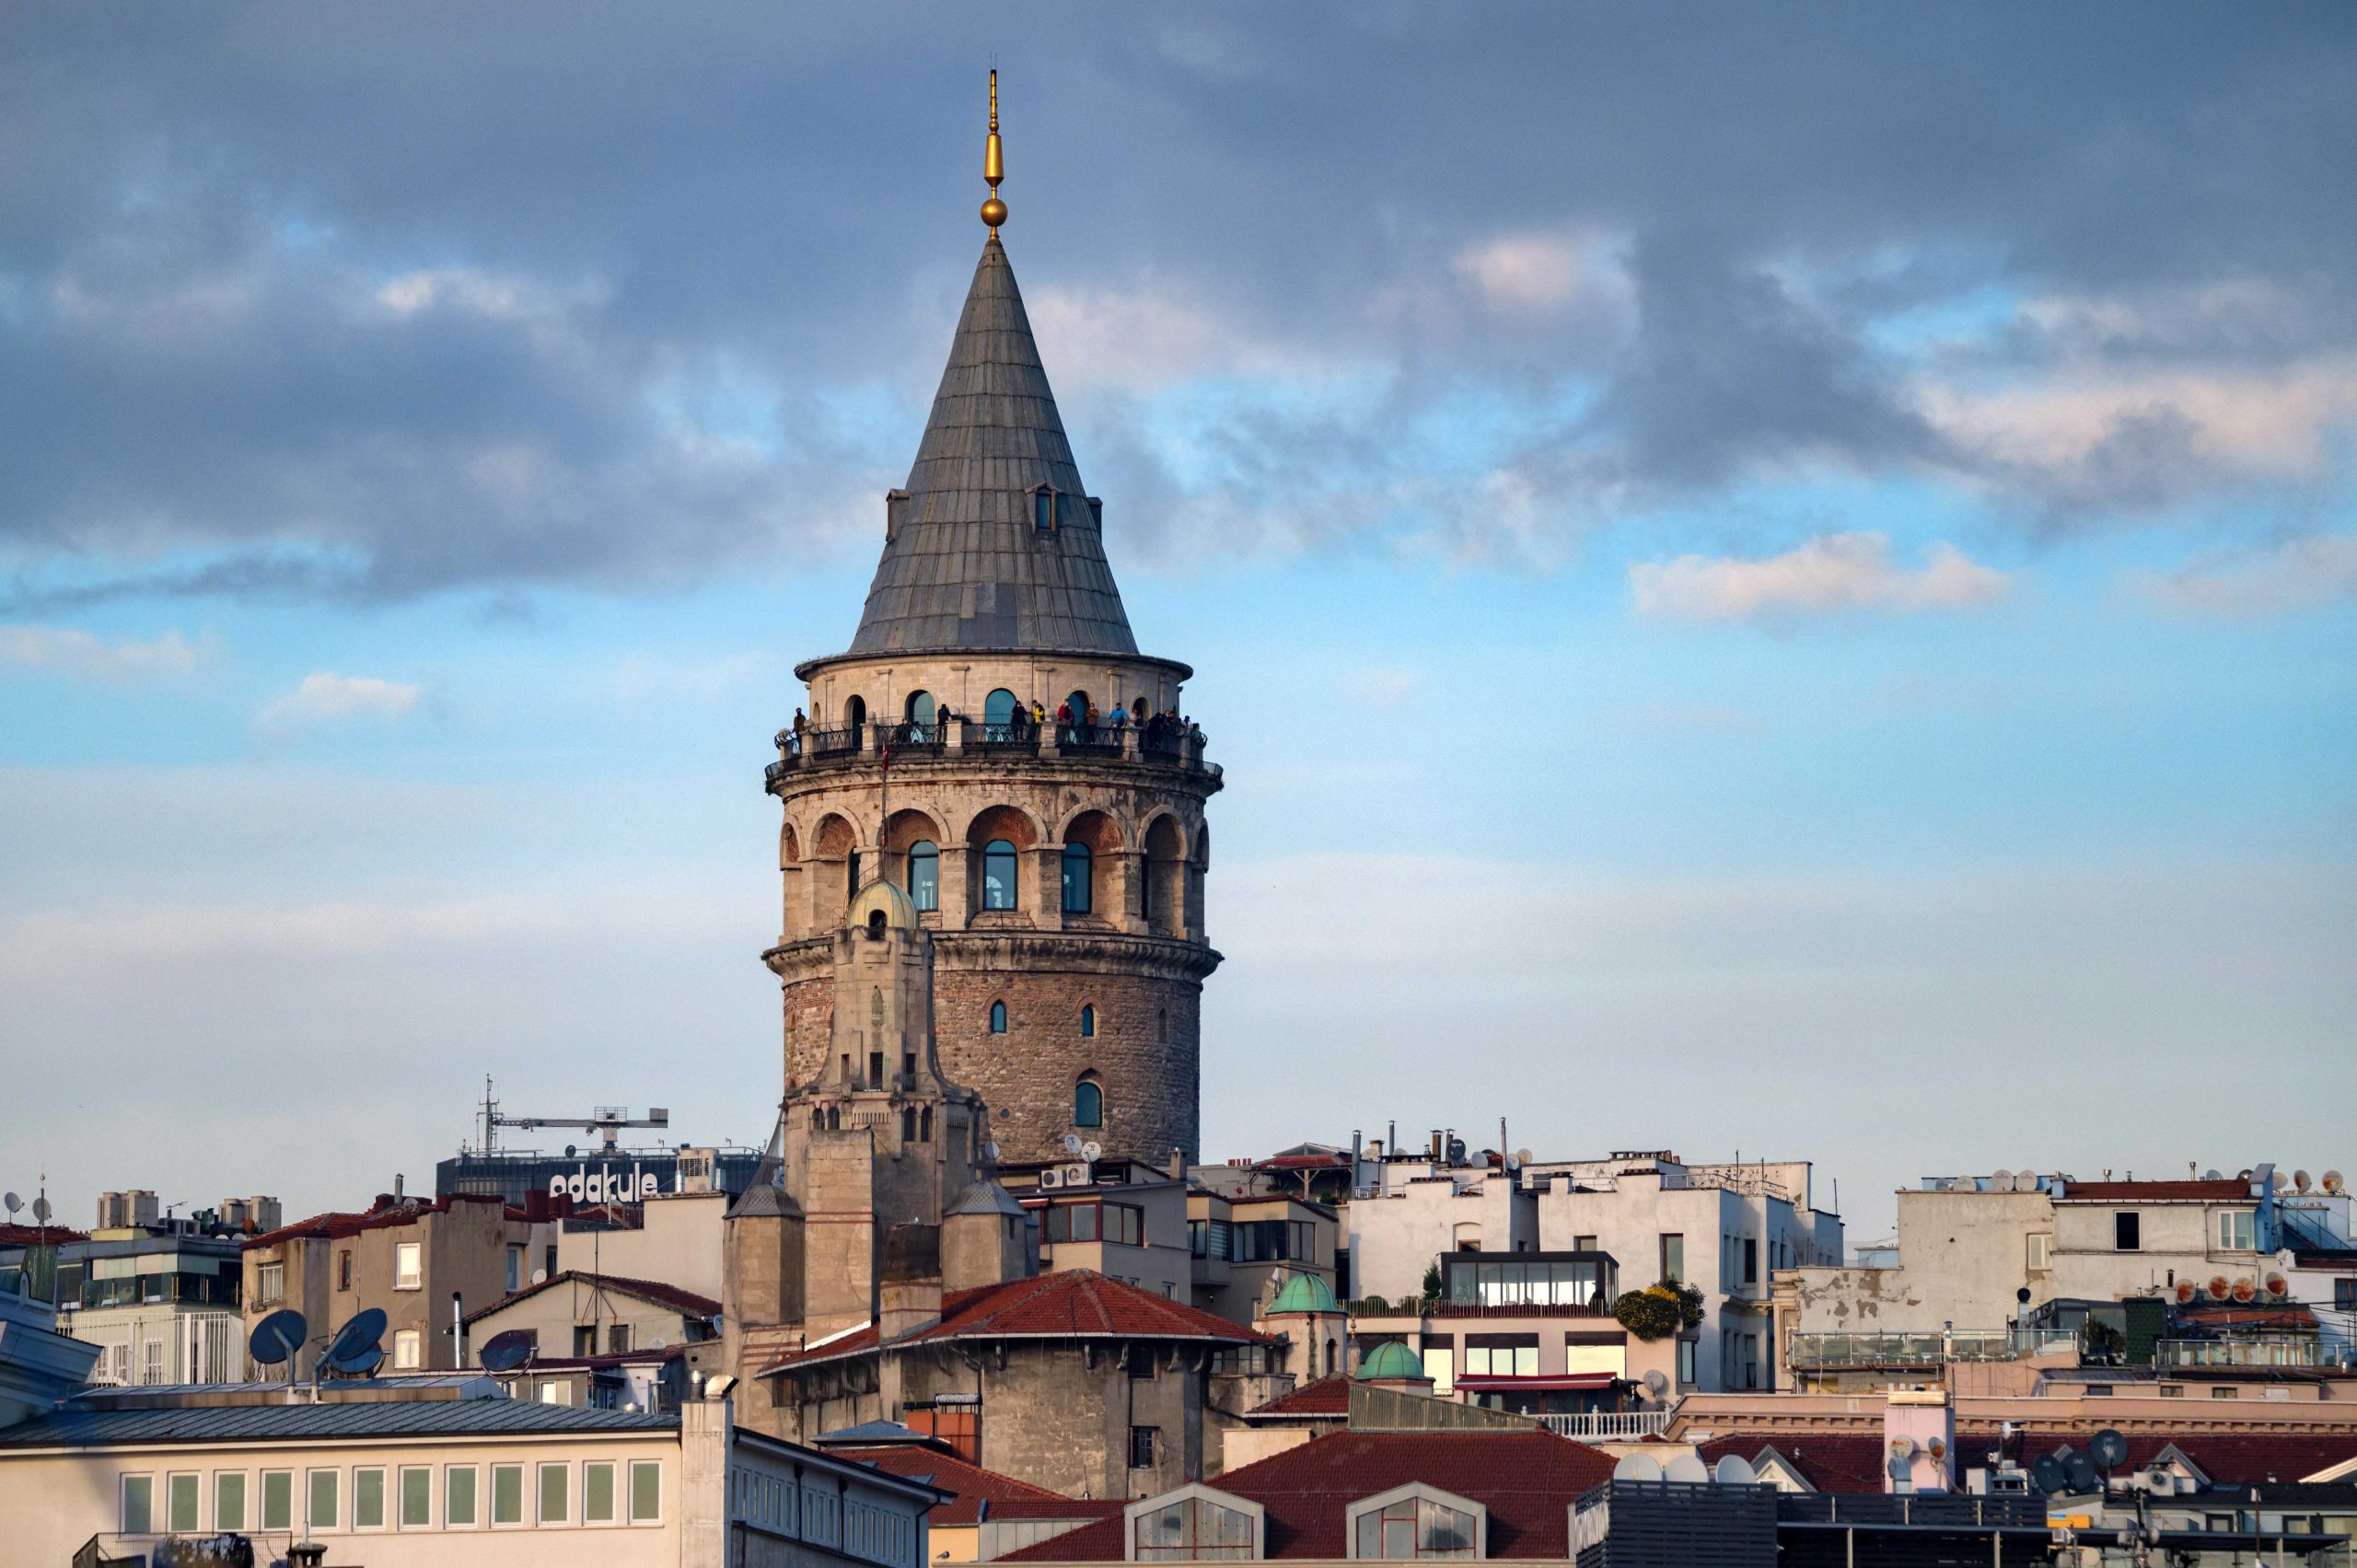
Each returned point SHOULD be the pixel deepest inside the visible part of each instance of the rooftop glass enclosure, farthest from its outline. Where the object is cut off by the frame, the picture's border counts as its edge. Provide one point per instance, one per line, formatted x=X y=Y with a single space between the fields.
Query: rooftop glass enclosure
x=1588 y=1280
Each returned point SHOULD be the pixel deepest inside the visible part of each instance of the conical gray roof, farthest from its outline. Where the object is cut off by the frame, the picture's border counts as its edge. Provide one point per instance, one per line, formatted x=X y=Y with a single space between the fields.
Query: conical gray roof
x=965 y=564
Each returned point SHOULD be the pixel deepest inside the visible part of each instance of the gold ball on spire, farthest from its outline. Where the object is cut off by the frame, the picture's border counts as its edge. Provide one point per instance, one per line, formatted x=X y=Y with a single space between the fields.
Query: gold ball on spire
x=994 y=211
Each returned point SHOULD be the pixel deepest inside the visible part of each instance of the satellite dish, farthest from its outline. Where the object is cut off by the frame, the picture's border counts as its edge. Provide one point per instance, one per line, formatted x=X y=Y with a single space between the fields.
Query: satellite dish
x=1686 y=1467
x=2332 y=1181
x=540 y=1276
x=2275 y=1285
x=1656 y=1383
x=2244 y=1290
x=1522 y=1156
x=1902 y=1447
x=41 y=1210
x=1092 y=1151
x=2281 y=1181
x=1734 y=1470
x=658 y=1342
x=13 y=1204
x=1072 y=1143
x=354 y=1349
x=568 y=1151
x=2185 y=1289
x=2001 y=1183
x=1637 y=1467
x=2221 y=1287
x=508 y=1351
x=2299 y=1179
x=2109 y=1449
x=2211 y=1174
x=2046 y=1473
x=993 y=1154
x=1938 y=1447
x=2080 y=1473
x=277 y=1337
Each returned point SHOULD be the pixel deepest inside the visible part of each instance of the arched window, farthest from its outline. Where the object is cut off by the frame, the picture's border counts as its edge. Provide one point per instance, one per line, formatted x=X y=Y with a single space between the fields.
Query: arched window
x=1087 y=1104
x=1076 y=878
x=998 y=1017
x=876 y=925
x=1081 y=730
x=1088 y=1021
x=850 y=875
x=998 y=715
x=921 y=712
x=924 y=875
x=855 y=715
x=998 y=875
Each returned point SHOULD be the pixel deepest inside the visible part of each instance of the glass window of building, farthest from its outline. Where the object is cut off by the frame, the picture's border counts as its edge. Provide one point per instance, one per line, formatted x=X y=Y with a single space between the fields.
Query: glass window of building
x=998 y=1017
x=278 y=1499
x=138 y=1504
x=417 y=1497
x=181 y=1494
x=2128 y=1232
x=555 y=1493
x=998 y=715
x=924 y=875
x=1673 y=1256
x=1087 y=1104
x=923 y=710
x=2236 y=1231
x=1193 y=1530
x=1088 y=1021
x=646 y=1491
x=229 y=1500
x=506 y=1494
x=459 y=1496
x=598 y=1492
x=1410 y=1528
x=998 y=875
x=409 y=1265
x=324 y=1490
x=1076 y=878
x=368 y=1498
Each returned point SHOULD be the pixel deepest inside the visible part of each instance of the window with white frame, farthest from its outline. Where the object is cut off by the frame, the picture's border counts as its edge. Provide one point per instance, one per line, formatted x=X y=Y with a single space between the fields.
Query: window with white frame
x=598 y=1492
x=409 y=1265
x=556 y=1495
x=2236 y=1230
x=2041 y=1249
x=278 y=1499
x=324 y=1490
x=229 y=1501
x=646 y=1491
x=368 y=1498
x=409 y=1349
x=137 y=1513
x=182 y=1493
x=1195 y=1524
x=459 y=1497
x=1415 y=1521
x=417 y=1497
x=506 y=1494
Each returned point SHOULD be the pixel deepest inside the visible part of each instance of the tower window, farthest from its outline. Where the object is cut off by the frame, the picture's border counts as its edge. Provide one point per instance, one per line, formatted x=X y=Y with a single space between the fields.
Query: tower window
x=1087 y=1104
x=908 y=1124
x=998 y=1017
x=1043 y=508
x=1088 y=1021
x=850 y=875
x=924 y=875
x=998 y=875
x=998 y=715
x=1076 y=878
x=1162 y=1026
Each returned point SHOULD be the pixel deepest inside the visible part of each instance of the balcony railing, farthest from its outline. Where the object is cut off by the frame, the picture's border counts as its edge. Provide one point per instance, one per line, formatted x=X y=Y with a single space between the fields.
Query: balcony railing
x=1927 y=1349
x=2257 y=1350
x=1607 y=1425
x=911 y=742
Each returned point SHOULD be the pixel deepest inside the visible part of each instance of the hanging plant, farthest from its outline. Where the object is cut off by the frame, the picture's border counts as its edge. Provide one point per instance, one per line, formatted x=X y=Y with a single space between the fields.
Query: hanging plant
x=1659 y=1310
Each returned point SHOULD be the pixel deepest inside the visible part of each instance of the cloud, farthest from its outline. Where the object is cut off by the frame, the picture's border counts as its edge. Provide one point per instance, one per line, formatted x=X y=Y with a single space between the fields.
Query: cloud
x=2296 y=576
x=324 y=696
x=72 y=652
x=1538 y=274
x=1832 y=573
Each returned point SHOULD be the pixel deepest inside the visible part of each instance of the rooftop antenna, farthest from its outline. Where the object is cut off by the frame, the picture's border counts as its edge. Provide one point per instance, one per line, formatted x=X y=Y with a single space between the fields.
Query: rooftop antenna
x=276 y=1338
x=994 y=166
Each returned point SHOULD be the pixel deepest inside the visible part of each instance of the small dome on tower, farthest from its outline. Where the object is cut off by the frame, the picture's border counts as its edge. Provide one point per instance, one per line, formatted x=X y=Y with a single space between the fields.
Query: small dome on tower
x=1391 y=1362
x=1307 y=1295
x=881 y=897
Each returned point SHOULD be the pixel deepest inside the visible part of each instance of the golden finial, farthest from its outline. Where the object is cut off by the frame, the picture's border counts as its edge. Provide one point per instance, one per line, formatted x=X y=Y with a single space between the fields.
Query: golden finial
x=993 y=164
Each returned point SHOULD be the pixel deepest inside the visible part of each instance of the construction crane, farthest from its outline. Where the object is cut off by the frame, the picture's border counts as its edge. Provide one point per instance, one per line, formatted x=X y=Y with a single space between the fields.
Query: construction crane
x=606 y=1120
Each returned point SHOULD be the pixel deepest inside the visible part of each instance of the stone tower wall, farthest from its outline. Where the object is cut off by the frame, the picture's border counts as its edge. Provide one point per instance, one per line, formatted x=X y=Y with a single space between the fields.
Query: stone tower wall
x=1137 y=957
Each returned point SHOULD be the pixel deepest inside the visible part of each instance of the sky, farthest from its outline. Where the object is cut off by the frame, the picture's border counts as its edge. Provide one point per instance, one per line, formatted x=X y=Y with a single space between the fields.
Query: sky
x=1768 y=582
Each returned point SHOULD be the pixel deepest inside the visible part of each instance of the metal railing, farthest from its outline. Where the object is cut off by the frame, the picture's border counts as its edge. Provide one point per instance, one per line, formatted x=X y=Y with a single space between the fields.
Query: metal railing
x=1932 y=1348
x=1607 y=1425
x=2256 y=1350
x=1013 y=734
x=1163 y=746
x=909 y=736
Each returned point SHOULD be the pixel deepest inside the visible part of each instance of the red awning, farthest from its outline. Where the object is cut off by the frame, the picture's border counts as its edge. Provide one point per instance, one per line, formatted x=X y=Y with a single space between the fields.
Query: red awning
x=1484 y=1382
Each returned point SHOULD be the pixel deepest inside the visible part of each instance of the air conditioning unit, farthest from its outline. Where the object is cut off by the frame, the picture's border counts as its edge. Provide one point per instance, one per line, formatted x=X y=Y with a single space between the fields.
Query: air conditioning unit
x=1052 y=1179
x=1078 y=1176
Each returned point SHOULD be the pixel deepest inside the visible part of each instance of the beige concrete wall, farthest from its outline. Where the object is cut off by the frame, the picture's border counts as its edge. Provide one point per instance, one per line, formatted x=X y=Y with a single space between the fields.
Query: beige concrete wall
x=679 y=1243
x=554 y=1312
x=56 y=1500
x=2178 y=1242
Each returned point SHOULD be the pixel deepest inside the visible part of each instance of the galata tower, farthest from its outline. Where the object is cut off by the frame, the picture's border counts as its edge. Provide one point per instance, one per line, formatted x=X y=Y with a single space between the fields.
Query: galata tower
x=993 y=743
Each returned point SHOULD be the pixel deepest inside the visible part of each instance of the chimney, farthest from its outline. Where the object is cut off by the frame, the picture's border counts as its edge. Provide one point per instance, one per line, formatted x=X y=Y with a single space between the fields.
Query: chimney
x=908 y=1298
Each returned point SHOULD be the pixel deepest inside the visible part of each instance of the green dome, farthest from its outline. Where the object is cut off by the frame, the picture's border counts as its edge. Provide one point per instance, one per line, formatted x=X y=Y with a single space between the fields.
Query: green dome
x=1304 y=1293
x=1390 y=1360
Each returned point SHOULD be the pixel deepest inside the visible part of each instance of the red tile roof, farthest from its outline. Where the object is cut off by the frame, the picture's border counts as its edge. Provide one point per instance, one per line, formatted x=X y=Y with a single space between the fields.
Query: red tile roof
x=1852 y=1461
x=1527 y=1481
x=39 y=1235
x=687 y=1303
x=2151 y=1191
x=1070 y=1304
x=1829 y=1461
x=385 y=1215
x=1327 y=1398
x=977 y=1493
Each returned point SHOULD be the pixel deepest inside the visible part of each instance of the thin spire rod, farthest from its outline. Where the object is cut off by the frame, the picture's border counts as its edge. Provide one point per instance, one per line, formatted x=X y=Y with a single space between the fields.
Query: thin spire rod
x=994 y=165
